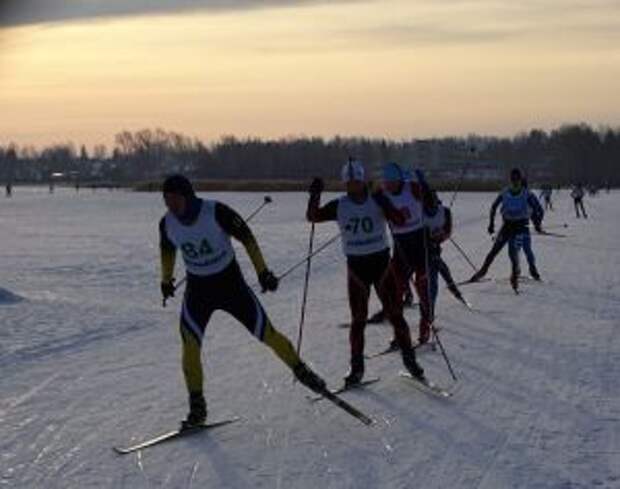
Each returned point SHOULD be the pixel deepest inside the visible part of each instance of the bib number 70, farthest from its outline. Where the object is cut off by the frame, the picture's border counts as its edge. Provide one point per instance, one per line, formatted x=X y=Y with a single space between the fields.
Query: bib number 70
x=364 y=223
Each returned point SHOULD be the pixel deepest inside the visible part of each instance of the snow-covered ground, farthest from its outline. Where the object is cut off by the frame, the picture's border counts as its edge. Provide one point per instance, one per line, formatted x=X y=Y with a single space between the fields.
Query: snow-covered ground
x=89 y=359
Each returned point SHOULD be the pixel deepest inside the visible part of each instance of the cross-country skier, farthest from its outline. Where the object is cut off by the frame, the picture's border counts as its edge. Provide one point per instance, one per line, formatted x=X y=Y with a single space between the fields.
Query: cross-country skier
x=518 y=205
x=409 y=257
x=201 y=229
x=438 y=223
x=545 y=194
x=361 y=217
x=577 y=194
x=438 y=220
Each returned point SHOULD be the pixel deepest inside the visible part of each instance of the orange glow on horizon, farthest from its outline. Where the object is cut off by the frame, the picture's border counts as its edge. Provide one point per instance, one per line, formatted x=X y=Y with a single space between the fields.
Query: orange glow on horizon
x=388 y=69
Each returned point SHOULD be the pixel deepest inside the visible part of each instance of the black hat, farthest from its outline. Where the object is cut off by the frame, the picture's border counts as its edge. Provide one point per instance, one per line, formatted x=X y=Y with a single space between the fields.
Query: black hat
x=515 y=174
x=178 y=184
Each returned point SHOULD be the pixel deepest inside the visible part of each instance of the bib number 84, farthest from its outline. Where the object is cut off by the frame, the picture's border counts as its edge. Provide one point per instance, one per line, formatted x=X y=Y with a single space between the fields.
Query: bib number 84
x=191 y=251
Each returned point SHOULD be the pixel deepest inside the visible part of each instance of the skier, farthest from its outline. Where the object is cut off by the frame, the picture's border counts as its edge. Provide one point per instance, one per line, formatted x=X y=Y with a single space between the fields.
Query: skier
x=518 y=205
x=438 y=219
x=409 y=257
x=577 y=194
x=201 y=229
x=9 y=189
x=545 y=194
x=438 y=224
x=361 y=218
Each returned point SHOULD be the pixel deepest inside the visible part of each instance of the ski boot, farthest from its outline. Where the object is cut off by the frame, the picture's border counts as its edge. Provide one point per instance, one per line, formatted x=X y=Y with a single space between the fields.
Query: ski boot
x=412 y=365
x=393 y=346
x=425 y=332
x=197 y=411
x=514 y=282
x=377 y=317
x=308 y=378
x=356 y=372
x=534 y=274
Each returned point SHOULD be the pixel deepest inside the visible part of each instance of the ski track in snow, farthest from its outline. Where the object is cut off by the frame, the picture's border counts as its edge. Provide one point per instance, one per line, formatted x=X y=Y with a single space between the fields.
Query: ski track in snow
x=90 y=360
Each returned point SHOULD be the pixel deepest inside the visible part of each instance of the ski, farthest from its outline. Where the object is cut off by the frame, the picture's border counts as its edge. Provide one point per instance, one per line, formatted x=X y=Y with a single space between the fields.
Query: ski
x=346 y=388
x=426 y=386
x=426 y=346
x=345 y=406
x=465 y=302
x=173 y=435
x=388 y=350
x=379 y=316
x=528 y=280
x=470 y=281
x=418 y=347
x=555 y=235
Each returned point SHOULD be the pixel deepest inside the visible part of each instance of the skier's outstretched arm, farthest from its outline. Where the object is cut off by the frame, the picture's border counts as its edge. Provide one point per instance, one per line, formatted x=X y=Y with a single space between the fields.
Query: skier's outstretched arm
x=494 y=207
x=167 y=253
x=233 y=224
x=537 y=211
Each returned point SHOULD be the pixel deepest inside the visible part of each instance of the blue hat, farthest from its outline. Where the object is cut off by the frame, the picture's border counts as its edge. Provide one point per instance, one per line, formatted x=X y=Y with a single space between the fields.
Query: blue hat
x=392 y=172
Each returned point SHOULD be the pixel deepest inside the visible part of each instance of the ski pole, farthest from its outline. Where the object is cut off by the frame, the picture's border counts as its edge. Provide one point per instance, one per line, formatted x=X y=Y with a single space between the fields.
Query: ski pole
x=556 y=226
x=304 y=260
x=305 y=293
x=431 y=307
x=259 y=208
x=555 y=235
x=308 y=257
x=472 y=150
x=266 y=201
x=471 y=264
x=443 y=352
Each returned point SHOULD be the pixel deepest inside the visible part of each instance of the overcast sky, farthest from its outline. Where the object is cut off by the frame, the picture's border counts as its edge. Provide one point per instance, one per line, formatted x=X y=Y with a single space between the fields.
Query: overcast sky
x=85 y=70
x=21 y=12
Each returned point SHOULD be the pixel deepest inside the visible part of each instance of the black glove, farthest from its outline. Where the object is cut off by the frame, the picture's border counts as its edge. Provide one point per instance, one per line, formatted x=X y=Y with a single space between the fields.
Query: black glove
x=491 y=228
x=316 y=187
x=268 y=281
x=167 y=289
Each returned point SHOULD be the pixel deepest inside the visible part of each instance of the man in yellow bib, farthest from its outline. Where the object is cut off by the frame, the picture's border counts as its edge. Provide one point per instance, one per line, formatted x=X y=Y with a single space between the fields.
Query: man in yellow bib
x=201 y=229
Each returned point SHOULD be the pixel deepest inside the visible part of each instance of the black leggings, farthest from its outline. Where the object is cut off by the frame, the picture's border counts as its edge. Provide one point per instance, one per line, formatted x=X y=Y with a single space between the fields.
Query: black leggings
x=364 y=272
x=226 y=291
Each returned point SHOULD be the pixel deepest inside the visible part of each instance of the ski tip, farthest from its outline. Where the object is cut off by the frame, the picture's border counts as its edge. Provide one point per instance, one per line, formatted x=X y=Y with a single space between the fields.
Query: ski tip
x=428 y=385
x=124 y=450
x=367 y=421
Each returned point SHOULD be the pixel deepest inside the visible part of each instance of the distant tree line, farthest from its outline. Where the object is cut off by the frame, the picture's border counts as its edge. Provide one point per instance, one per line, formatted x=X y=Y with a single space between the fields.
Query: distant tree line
x=571 y=153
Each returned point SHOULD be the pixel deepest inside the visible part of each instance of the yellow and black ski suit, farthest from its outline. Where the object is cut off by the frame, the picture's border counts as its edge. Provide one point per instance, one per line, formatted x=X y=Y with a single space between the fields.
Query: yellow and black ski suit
x=225 y=290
